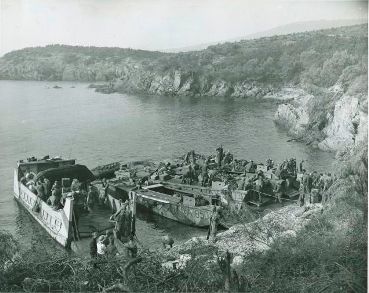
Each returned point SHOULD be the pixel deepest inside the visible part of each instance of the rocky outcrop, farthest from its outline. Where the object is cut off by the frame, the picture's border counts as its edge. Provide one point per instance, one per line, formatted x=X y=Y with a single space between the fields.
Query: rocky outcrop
x=258 y=236
x=334 y=122
x=178 y=83
x=294 y=116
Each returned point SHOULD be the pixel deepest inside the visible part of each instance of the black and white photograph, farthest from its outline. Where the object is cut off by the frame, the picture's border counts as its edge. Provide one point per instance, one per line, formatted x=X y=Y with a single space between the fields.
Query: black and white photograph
x=184 y=146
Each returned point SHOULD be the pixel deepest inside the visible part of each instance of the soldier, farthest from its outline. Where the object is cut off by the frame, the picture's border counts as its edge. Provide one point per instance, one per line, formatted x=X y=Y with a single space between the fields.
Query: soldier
x=213 y=225
x=192 y=157
x=251 y=167
x=328 y=181
x=279 y=190
x=301 y=199
x=92 y=196
x=40 y=191
x=307 y=182
x=76 y=185
x=167 y=240
x=301 y=166
x=220 y=155
x=111 y=249
x=47 y=187
x=93 y=245
x=131 y=247
x=104 y=194
x=123 y=222
x=227 y=158
x=54 y=199
x=56 y=195
x=269 y=164
x=315 y=179
x=242 y=184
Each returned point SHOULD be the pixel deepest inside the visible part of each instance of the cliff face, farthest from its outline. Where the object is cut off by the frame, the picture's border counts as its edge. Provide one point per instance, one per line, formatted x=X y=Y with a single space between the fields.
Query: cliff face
x=181 y=84
x=340 y=123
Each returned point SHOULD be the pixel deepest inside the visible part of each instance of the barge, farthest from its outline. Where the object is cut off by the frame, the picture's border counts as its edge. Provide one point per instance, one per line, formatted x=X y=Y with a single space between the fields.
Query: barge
x=64 y=220
x=174 y=204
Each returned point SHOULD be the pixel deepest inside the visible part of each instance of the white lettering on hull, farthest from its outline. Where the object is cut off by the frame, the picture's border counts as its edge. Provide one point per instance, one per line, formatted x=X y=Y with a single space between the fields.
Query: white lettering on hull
x=53 y=223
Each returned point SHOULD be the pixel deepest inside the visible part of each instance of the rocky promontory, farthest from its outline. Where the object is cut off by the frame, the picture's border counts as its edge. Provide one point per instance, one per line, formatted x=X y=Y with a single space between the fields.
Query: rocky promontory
x=332 y=121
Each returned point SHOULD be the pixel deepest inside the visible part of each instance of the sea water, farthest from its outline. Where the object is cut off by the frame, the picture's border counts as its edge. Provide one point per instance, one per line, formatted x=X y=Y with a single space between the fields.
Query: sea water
x=74 y=121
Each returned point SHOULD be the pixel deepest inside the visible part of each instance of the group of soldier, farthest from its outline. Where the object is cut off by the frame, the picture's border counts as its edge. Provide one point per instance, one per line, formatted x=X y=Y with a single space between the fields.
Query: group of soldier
x=314 y=187
x=54 y=195
x=104 y=246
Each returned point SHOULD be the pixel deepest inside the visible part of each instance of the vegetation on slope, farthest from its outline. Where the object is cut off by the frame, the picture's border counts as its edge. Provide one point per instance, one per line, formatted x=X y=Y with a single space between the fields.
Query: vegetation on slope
x=318 y=58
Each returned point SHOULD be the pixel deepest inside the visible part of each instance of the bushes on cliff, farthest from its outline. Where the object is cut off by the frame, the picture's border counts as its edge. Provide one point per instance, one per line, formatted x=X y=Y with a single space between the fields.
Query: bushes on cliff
x=318 y=260
x=330 y=253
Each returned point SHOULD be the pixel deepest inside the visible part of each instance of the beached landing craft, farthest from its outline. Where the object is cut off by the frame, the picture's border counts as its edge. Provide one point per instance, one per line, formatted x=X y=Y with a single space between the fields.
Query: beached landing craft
x=63 y=222
x=175 y=188
x=177 y=205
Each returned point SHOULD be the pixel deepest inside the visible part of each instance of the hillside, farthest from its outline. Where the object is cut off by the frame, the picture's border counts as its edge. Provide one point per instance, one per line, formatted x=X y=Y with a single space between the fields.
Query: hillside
x=321 y=76
x=290 y=28
x=230 y=69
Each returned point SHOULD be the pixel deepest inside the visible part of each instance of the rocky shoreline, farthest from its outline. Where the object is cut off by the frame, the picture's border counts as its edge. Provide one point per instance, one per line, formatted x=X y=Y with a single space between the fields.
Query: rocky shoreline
x=332 y=120
x=335 y=124
x=178 y=84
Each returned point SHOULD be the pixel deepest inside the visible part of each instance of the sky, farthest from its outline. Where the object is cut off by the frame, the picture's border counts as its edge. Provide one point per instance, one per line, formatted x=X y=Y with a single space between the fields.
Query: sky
x=155 y=24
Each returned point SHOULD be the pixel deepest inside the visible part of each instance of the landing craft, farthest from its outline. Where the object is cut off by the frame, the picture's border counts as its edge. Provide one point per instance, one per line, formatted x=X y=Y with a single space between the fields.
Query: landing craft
x=165 y=188
x=62 y=222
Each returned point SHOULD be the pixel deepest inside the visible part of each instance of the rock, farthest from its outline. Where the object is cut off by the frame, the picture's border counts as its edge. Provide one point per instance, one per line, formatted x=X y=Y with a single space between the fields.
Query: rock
x=344 y=127
x=237 y=263
x=186 y=87
x=286 y=93
x=341 y=130
x=177 y=264
x=176 y=81
x=218 y=89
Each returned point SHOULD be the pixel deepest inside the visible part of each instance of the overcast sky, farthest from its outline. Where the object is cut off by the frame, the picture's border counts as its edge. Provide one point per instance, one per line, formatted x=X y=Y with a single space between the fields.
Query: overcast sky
x=154 y=24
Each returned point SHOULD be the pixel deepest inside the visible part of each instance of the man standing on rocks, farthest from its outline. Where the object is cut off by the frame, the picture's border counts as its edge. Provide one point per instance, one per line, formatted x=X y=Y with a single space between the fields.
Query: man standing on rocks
x=219 y=156
x=308 y=184
x=93 y=248
x=301 y=166
x=213 y=226
x=301 y=200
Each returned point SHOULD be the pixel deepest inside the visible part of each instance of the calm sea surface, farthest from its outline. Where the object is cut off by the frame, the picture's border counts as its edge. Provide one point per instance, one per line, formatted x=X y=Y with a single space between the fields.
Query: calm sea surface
x=76 y=122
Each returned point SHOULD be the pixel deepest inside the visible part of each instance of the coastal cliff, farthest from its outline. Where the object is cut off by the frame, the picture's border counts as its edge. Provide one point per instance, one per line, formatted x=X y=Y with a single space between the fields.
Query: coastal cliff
x=332 y=120
x=320 y=77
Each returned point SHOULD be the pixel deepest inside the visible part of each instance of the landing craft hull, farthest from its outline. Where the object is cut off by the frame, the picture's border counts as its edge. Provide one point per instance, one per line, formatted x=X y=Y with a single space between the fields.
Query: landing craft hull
x=106 y=171
x=55 y=222
x=192 y=216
